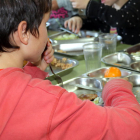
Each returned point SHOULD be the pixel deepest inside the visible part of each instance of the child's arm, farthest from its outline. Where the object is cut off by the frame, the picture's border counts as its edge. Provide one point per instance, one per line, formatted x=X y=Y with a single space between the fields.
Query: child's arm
x=80 y=5
x=118 y=120
x=117 y=87
x=125 y=18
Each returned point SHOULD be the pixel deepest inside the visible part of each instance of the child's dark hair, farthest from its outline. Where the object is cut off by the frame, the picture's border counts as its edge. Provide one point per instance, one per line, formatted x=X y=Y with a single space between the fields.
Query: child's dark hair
x=12 y=12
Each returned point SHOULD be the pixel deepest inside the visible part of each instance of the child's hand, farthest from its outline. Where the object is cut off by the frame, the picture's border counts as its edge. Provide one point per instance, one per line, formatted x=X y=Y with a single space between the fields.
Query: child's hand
x=48 y=54
x=79 y=4
x=47 y=57
x=74 y=24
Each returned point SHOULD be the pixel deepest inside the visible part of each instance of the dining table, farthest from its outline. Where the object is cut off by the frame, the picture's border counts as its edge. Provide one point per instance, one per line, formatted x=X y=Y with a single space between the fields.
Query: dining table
x=81 y=67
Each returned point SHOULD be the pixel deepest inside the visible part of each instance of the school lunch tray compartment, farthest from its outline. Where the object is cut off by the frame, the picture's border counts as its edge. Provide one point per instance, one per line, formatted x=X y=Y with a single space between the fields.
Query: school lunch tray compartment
x=100 y=72
x=78 y=54
x=122 y=60
x=73 y=47
x=58 y=70
x=135 y=79
x=132 y=76
x=134 y=51
x=71 y=86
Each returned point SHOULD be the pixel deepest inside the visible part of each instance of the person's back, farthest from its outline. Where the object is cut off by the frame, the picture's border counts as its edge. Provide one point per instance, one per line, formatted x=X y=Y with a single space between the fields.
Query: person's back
x=26 y=104
x=31 y=108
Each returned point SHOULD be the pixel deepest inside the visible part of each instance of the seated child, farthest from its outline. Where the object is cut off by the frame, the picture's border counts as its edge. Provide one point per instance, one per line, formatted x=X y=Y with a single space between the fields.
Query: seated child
x=121 y=14
x=62 y=10
x=31 y=108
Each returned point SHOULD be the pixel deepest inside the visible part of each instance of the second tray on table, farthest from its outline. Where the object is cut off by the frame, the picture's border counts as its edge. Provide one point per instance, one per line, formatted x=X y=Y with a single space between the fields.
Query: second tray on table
x=79 y=86
x=88 y=83
x=73 y=47
x=134 y=51
x=58 y=70
x=122 y=60
x=133 y=77
x=100 y=72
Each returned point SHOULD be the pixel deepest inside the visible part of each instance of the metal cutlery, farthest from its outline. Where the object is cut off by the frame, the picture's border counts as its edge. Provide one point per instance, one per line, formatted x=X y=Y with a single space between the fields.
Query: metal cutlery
x=87 y=87
x=57 y=77
x=64 y=29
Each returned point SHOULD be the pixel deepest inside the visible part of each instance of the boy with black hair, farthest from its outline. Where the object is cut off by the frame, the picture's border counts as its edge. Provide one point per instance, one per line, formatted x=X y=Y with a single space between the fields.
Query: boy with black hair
x=32 y=108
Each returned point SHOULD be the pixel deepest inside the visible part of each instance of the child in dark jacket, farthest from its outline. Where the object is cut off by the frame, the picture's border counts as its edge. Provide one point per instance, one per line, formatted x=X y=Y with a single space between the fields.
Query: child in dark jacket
x=121 y=14
x=31 y=108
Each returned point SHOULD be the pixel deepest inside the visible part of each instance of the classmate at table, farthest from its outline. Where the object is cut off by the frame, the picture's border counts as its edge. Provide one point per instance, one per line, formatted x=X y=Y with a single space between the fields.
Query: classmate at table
x=32 y=108
x=122 y=14
x=62 y=10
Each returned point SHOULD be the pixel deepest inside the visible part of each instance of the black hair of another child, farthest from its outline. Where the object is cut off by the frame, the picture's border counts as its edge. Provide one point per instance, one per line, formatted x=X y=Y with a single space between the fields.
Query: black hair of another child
x=12 y=12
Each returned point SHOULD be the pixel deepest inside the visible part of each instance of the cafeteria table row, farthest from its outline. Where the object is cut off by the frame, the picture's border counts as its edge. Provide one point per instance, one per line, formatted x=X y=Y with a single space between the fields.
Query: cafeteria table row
x=81 y=68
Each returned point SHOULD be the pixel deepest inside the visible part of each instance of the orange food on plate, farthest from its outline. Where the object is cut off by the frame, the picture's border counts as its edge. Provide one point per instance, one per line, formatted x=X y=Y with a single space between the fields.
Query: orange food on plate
x=112 y=72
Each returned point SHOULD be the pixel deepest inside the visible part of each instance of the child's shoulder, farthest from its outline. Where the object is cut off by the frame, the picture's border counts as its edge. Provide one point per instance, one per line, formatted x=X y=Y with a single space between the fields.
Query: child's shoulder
x=45 y=86
x=17 y=80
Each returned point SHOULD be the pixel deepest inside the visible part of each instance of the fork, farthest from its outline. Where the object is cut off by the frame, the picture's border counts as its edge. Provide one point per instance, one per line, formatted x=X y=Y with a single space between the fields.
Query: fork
x=57 y=77
x=67 y=30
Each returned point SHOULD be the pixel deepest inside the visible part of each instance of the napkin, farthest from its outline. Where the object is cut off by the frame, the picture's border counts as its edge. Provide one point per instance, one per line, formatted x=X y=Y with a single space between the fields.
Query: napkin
x=72 y=47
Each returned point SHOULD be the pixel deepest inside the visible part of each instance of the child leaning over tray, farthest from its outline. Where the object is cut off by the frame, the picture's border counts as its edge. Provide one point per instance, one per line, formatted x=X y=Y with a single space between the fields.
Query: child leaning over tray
x=31 y=108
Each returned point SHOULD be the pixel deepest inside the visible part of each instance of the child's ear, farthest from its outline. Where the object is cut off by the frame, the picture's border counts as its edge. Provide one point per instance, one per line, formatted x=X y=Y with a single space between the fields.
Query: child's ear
x=23 y=35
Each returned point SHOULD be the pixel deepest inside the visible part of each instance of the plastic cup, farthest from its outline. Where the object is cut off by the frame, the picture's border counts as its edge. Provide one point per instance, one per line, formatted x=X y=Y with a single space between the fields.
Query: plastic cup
x=109 y=42
x=92 y=54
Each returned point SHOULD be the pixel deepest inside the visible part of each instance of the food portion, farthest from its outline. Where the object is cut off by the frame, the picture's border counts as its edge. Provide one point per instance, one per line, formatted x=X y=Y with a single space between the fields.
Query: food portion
x=61 y=51
x=88 y=96
x=136 y=54
x=66 y=37
x=92 y=97
x=88 y=36
x=112 y=72
x=97 y=100
x=133 y=49
x=61 y=63
x=117 y=64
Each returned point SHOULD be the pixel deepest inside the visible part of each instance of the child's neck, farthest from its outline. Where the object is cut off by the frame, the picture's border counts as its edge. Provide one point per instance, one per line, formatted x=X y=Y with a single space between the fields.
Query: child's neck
x=118 y=5
x=10 y=59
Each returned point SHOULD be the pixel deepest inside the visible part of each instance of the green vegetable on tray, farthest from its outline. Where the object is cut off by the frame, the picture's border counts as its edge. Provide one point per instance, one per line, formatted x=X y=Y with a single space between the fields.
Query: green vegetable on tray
x=137 y=54
x=65 y=37
x=96 y=100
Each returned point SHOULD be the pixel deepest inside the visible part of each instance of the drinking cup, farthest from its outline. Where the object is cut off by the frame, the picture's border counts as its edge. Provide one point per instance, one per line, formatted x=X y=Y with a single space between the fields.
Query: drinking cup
x=109 y=42
x=92 y=54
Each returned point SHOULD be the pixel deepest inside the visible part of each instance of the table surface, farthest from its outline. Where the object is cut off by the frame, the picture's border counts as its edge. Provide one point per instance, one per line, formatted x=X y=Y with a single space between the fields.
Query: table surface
x=81 y=68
